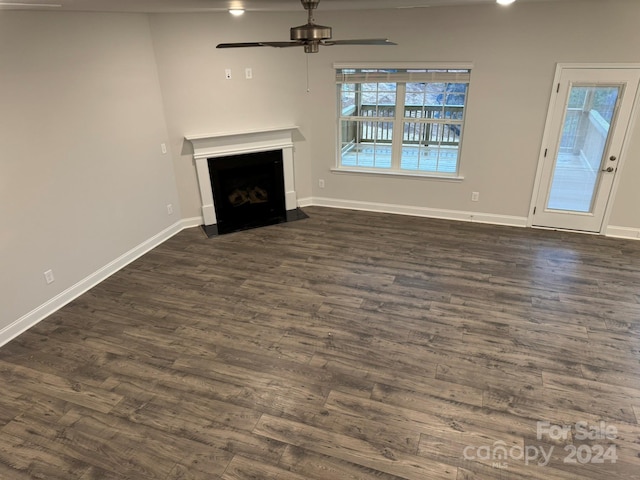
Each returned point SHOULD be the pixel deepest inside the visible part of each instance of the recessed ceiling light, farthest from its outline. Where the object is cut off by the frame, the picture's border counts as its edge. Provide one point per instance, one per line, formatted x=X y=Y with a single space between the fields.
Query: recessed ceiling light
x=236 y=12
x=505 y=2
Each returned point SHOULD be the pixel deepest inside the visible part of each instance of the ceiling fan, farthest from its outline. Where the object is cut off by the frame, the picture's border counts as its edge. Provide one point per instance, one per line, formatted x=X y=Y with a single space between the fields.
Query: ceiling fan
x=310 y=36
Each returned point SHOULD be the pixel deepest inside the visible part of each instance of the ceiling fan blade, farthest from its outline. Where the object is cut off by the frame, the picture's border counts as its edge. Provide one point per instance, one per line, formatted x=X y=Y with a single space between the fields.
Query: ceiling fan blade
x=283 y=44
x=240 y=45
x=366 y=41
x=258 y=44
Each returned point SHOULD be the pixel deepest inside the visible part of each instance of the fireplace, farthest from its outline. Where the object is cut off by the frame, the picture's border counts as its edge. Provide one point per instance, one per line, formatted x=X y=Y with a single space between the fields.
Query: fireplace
x=248 y=190
x=229 y=203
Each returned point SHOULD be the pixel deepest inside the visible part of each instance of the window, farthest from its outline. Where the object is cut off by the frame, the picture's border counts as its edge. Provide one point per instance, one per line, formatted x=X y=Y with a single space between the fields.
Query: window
x=406 y=120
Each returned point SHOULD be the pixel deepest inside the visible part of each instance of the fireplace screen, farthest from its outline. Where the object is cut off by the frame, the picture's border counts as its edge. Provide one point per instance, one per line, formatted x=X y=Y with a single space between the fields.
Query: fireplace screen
x=248 y=190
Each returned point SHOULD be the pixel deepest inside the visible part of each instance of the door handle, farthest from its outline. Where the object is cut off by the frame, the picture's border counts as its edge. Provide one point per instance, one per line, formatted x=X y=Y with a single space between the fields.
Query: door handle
x=609 y=169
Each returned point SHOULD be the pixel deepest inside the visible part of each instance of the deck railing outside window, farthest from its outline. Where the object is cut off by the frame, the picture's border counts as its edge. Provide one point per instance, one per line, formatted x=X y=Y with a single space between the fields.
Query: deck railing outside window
x=412 y=135
x=402 y=120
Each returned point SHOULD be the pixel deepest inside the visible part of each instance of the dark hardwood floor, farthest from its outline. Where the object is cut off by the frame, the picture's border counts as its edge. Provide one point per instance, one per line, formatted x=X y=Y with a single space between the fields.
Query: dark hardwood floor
x=349 y=345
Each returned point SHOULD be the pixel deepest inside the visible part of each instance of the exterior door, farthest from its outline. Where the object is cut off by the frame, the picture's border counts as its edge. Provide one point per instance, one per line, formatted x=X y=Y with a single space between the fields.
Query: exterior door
x=586 y=128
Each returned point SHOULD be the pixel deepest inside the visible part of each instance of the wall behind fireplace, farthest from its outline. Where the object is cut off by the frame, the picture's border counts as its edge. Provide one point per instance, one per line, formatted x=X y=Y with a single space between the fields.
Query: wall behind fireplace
x=199 y=100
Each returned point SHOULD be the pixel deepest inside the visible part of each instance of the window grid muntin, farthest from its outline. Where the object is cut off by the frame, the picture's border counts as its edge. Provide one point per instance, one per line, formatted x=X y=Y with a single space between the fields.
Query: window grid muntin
x=450 y=117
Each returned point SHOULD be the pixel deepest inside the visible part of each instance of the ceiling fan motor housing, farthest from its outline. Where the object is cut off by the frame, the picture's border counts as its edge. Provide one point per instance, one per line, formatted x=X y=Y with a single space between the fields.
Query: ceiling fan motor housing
x=310 y=32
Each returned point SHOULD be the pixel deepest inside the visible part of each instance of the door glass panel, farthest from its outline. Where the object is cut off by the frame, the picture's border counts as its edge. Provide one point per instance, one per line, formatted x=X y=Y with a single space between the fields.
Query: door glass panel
x=585 y=135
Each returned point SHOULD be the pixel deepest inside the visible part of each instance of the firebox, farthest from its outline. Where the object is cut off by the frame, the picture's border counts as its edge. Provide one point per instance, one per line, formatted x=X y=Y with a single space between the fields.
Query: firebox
x=248 y=190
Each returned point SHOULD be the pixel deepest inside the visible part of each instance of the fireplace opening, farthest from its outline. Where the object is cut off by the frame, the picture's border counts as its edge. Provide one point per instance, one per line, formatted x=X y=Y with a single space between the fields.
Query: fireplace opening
x=248 y=190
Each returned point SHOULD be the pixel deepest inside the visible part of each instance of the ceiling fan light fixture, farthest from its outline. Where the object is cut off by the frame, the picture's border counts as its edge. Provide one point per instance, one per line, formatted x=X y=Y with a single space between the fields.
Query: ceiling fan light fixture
x=505 y=2
x=236 y=12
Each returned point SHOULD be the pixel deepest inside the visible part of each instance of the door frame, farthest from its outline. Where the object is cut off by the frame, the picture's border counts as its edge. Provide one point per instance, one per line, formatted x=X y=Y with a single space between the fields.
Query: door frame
x=548 y=132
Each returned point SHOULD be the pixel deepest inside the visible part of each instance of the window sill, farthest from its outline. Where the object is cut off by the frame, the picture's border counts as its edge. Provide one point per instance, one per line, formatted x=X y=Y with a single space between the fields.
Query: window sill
x=396 y=173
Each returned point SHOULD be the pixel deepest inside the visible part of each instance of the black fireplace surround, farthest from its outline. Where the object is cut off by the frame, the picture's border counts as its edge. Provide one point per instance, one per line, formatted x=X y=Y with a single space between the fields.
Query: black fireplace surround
x=248 y=190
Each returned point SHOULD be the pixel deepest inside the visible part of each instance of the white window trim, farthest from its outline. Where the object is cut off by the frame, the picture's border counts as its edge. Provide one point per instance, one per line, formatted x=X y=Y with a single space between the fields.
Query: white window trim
x=396 y=172
x=405 y=65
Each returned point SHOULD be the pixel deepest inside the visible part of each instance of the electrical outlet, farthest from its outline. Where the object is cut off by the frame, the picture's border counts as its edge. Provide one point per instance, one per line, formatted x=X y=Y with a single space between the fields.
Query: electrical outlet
x=169 y=209
x=227 y=73
x=248 y=73
x=163 y=148
x=321 y=183
x=475 y=196
x=48 y=276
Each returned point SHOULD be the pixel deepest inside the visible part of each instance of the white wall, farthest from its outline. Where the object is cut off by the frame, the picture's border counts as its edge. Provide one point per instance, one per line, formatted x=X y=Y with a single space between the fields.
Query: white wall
x=514 y=51
x=82 y=177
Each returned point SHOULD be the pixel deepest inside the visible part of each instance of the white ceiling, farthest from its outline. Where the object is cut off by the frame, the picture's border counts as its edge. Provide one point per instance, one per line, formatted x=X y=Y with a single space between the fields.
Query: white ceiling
x=223 y=5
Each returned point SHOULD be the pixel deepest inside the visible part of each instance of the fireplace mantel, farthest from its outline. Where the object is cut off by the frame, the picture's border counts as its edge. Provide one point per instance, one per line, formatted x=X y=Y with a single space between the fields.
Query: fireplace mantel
x=237 y=143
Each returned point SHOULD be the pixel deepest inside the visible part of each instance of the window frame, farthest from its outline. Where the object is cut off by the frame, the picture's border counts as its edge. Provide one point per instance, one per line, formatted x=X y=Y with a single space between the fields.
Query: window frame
x=399 y=120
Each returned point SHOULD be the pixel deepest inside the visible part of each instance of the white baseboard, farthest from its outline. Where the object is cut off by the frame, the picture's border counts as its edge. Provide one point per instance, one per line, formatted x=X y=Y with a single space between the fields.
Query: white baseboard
x=623 y=232
x=39 y=313
x=305 y=202
x=192 y=222
x=460 y=215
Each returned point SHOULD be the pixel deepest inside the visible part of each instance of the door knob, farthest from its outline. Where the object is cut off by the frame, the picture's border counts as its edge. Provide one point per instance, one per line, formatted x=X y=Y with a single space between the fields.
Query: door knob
x=609 y=169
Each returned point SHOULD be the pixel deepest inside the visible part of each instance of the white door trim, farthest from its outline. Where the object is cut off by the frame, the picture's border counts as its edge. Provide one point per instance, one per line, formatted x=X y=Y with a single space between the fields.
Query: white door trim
x=548 y=131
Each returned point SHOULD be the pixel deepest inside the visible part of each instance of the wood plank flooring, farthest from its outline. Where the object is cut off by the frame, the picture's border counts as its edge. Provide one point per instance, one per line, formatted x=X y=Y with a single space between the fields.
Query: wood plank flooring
x=349 y=345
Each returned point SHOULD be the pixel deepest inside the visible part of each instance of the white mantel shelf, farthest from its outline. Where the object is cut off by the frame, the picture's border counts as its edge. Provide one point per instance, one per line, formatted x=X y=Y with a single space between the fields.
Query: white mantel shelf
x=243 y=132
x=235 y=143
x=206 y=146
